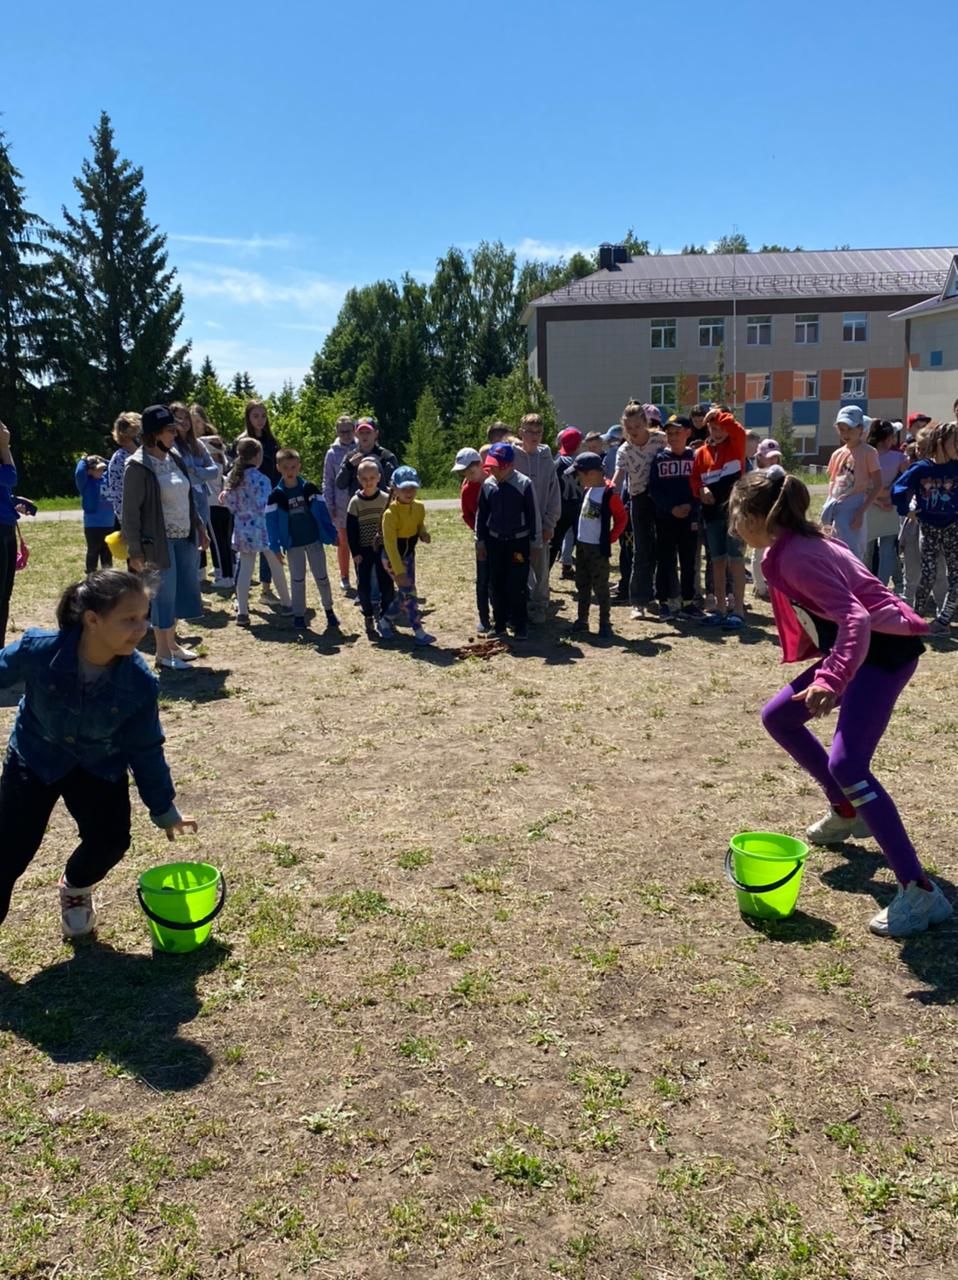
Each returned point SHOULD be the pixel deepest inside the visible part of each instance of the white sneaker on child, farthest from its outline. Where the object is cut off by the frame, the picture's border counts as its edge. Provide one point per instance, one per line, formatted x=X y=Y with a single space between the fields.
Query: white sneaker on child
x=77 y=912
x=911 y=911
x=834 y=829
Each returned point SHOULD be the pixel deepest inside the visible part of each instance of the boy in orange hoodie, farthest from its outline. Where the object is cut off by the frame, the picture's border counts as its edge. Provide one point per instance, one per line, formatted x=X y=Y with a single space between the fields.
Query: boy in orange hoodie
x=718 y=464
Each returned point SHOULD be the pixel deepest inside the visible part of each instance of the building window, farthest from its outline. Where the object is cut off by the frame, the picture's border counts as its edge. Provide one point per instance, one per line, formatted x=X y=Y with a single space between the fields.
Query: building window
x=804 y=386
x=711 y=331
x=936 y=359
x=853 y=384
x=663 y=335
x=758 y=331
x=662 y=392
x=805 y=439
x=758 y=386
x=705 y=388
x=806 y=329
x=855 y=327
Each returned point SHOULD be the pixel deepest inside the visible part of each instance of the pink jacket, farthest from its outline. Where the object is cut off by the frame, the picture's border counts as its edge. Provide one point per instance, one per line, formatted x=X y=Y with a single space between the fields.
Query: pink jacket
x=824 y=577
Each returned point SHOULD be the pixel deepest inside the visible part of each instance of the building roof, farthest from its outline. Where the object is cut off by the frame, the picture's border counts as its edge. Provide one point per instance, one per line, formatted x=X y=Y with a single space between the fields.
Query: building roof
x=813 y=274
x=945 y=300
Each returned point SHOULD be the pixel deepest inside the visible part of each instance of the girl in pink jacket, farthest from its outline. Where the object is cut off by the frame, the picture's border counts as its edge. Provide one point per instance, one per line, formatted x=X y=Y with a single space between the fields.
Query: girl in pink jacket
x=866 y=643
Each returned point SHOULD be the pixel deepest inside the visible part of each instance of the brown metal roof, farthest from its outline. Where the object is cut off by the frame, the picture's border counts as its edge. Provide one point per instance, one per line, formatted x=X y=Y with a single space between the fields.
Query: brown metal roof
x=810 y=274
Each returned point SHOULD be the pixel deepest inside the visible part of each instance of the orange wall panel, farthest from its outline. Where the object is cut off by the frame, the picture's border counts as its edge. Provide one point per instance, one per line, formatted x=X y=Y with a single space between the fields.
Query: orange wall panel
x=830 y=384
x=781 y=386
x=886 y=384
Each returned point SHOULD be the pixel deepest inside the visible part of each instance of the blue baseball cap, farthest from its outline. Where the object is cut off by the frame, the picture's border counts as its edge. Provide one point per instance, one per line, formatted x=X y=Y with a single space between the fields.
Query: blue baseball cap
x=406 y=478
x=500 y=454
x=614 y=432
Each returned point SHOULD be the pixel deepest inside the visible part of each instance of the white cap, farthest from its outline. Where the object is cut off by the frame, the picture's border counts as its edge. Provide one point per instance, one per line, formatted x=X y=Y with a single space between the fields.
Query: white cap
x=465 y=458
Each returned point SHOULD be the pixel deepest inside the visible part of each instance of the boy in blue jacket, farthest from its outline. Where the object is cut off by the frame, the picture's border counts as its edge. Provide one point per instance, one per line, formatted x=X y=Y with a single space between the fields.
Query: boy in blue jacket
x=676 y=521
x=99 y=518
x=933 y=484
x=298 y=522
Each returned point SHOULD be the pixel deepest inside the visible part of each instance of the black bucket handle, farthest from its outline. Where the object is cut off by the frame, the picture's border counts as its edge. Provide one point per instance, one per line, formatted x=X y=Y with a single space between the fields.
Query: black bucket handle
x=759 y=888
x=185 y=926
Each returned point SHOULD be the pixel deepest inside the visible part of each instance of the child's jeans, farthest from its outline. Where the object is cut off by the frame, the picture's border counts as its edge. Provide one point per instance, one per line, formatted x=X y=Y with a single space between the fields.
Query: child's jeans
x=371 y=564
x=406 y=609
x=508 y=582
x=592 y=577
x=297 y=558
x=244 y=576
x=675 y=538
x=840 y=515
x=482 y=591
x=100 y=808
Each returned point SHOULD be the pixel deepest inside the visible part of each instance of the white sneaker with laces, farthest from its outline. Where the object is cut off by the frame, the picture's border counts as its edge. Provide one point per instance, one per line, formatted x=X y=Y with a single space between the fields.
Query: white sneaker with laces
x=77 y=912
x=834 y=829
x=911 y=911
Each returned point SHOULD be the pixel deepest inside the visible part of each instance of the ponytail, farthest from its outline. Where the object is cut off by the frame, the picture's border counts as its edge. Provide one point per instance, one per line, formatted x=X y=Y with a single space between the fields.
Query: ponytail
x=99 y=593
x=776 y=497
x=248 y=453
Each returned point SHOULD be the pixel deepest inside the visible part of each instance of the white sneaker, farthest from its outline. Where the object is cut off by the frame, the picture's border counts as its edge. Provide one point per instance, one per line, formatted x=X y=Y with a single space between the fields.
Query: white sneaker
x=77 y=912
x=637 y=614
x=834 y=829
x=911 y=911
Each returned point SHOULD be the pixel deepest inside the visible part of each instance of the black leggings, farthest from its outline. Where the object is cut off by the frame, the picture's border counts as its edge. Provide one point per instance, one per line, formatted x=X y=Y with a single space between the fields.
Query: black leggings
x=8 y=567
x=221 y=526
x=101 y=810
x=97 y=552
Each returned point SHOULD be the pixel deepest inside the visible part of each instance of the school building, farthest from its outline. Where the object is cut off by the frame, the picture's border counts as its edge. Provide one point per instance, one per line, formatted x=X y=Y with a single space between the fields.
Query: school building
x=931 y=339
x=798 y=335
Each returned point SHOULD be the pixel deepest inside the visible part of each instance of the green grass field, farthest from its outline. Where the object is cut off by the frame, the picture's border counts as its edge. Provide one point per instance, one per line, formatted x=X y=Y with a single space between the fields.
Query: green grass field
x=480 y=1003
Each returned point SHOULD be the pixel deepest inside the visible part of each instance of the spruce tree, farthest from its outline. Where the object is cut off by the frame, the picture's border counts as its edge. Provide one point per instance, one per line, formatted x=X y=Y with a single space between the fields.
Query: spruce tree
x=24 y=317
x=116 y=344
x=428 y=447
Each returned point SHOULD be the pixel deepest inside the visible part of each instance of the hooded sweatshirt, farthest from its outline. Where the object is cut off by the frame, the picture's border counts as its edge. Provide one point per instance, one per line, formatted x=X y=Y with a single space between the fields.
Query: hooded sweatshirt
x=337 y=500
x=934 y=486
x=821 y=576
x=717 y=467
x=541 y=470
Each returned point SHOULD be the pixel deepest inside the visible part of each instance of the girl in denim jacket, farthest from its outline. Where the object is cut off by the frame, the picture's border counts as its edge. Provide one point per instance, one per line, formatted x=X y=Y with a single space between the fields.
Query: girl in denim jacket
x=88 y=715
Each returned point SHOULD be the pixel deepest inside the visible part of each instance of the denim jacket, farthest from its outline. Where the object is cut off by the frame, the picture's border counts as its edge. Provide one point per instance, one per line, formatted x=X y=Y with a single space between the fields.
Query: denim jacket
x=105 y=728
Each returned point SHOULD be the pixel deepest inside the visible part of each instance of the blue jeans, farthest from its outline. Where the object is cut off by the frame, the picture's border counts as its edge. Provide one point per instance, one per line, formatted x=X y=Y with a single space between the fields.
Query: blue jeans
x=840 y=514
x=178 y=595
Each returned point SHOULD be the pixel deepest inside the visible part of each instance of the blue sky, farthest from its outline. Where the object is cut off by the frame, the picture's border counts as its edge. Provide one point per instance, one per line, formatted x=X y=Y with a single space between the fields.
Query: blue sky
x=295 y=149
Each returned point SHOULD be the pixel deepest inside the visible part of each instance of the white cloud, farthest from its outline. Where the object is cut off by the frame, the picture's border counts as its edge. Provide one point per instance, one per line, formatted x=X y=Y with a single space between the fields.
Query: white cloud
x=213 y=324
x=268 y=368
x=247 y=244
x=251 y=288
x=543 y=251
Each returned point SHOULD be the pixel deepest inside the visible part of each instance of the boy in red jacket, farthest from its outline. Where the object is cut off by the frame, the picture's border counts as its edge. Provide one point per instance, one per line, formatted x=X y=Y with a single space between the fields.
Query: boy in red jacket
x=468 y=464
x=718 y=464
x=602 y=518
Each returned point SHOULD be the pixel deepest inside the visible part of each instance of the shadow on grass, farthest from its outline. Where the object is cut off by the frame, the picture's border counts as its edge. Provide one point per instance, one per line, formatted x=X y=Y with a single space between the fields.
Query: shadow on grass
x=198 y=684
x=123 y=1010
x=931 y=956
x=798 y=927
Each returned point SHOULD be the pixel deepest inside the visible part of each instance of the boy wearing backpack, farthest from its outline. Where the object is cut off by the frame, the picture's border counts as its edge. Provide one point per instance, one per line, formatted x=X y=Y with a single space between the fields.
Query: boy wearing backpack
x=602 y=517
x=570 y=495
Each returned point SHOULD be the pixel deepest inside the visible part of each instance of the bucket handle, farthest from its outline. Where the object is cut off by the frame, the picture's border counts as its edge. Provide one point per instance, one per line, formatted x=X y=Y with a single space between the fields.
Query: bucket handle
x=186 y=926
x=758 y=888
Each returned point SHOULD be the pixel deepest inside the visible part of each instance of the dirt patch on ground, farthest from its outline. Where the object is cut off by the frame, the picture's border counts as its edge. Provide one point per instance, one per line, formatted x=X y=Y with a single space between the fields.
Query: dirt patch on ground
x=480 y=1003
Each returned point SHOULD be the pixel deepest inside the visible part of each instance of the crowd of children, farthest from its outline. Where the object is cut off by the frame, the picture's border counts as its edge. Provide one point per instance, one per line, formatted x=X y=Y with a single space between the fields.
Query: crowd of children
x=699 y=489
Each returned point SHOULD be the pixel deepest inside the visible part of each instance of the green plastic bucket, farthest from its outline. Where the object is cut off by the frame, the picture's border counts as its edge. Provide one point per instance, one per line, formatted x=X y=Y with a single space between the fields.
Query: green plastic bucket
x=765 y=870
x=181 y=900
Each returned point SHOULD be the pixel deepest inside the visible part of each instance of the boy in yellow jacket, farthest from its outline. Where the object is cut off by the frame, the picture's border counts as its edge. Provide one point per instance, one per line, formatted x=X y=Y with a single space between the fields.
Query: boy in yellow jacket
x=404 y=524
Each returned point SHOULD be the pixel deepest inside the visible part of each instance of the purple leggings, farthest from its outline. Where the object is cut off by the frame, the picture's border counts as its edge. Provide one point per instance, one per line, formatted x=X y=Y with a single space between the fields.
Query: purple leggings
x=844 y=773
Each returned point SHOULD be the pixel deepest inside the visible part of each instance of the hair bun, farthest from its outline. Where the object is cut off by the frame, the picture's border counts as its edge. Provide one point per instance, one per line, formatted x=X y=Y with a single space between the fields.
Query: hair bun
x=775 y=470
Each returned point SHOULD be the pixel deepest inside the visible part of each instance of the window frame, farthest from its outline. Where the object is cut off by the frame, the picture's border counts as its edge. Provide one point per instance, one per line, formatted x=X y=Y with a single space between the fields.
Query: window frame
x=662 y=379
x=767 y=394
x=847 y=375
x=664 y=326
x=712 y=323
x=808 y=377
x=807 y=435
x=805 y=319
x=758 y=324
x=852 y=321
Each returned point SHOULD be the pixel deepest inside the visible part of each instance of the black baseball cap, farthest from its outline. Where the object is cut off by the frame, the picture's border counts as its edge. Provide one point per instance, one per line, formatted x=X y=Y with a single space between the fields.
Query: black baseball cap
x=680 y=420
x=156 y=419
x=588 y=462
